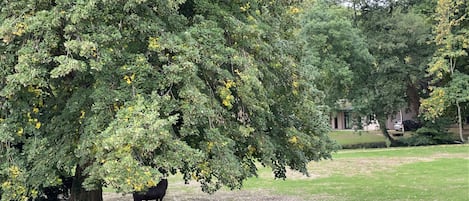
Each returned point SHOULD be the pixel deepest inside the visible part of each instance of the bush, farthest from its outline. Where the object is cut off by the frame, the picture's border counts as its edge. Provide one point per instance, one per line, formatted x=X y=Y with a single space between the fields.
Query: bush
x=427 y=136
x=433 y=132
x=365 y=145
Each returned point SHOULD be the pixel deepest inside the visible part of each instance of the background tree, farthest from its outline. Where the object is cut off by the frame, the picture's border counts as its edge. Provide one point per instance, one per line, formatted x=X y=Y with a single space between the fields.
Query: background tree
x=397 y=38
x=337 y=49
x=118 y=93
x=449 y=68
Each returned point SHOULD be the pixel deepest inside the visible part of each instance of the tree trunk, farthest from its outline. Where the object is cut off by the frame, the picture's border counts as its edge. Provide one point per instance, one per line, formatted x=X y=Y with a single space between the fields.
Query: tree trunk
x=78 y=193
x=414 y=99
x=460 y=122
x=384 y=130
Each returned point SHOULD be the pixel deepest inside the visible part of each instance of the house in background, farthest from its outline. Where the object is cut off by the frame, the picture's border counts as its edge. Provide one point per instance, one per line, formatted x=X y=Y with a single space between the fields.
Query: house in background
x=344 y=119
x=341 y=118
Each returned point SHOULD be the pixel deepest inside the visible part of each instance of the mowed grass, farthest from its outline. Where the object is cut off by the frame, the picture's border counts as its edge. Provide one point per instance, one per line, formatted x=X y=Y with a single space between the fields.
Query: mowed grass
x=359 y=137
x=414 y=173
x=351 y=137
x=417 y=173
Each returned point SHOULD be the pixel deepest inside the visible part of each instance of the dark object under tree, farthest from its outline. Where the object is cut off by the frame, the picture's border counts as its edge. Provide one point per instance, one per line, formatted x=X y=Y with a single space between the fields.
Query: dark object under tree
x=154 y=193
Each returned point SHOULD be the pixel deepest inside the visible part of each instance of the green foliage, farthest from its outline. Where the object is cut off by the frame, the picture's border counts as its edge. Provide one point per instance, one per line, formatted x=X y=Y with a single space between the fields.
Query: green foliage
x=442 y=98
x=432 y=133
x=387 y=55
x=458 y=88
x=449 y=73
x=427 y=136
x=110 y=92
x=398 y=43
x=336 y=48
x=448 y=69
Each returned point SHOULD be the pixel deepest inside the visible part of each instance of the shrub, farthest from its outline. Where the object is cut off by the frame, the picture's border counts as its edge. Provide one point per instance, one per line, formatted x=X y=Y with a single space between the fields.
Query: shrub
x=432 y=132
x=365 y=145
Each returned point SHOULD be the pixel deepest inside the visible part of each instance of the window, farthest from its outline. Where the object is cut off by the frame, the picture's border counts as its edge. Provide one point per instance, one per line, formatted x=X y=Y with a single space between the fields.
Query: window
x=347 y=120
x=371 y=119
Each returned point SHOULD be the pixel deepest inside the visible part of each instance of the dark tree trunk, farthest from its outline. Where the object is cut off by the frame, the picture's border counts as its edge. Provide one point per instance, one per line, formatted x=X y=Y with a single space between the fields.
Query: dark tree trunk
x=414 y=99
x=382 y=126
x=78 y=193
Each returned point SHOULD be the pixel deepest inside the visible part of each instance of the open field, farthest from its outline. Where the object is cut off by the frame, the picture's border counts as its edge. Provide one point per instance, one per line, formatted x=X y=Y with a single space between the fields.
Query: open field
x=413 y=173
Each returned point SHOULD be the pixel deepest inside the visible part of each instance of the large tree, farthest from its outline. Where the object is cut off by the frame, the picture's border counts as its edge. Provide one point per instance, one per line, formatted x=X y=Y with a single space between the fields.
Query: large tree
x=449 y=68
x=397 y=36
x=336 y=48
x=117 y=93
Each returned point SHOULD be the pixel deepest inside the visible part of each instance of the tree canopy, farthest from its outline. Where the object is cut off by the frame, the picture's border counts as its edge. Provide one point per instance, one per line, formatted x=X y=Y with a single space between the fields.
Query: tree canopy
x=118 y=93
x=123 y=93
x=397 y=37
x=449 y=67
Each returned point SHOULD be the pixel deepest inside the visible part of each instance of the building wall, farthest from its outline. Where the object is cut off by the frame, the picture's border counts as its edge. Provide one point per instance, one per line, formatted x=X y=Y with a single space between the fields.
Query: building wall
x=340 y=120
x=337 y=121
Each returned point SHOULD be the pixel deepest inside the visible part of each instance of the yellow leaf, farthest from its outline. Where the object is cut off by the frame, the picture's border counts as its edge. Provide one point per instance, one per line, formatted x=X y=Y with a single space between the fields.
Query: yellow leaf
x=150 y=183
x=294 y=10
x=245 y=7
x=407 y=59
x=20 y=28
x=14 y=171
x=229 y=84
x=20 y=131
x=209 y=145
x=295 y=84
x=38 y=125
x=251 y=149
x=153 y=43
x=293 y=140
x=127 y=79
x=6 y=185
x=82 y=114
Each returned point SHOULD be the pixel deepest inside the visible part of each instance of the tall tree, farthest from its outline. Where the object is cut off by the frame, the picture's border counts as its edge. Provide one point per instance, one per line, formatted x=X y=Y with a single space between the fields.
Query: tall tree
x=116 y=93
x=336 y=49
x=449 y=68
x=397 y=36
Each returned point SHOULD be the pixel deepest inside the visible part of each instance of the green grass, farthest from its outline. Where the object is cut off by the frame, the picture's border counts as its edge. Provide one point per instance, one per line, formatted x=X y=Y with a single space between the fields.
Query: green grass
x=418 y=181
x=352 y=137
x=428 y=173
x=436 y=173
x=423 y=151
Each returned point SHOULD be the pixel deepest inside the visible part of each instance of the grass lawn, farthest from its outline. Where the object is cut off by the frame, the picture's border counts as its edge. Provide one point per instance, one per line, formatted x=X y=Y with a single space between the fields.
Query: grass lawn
x=352 y=137
x=414 y=173
x=411 y=173
x=363 y=139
